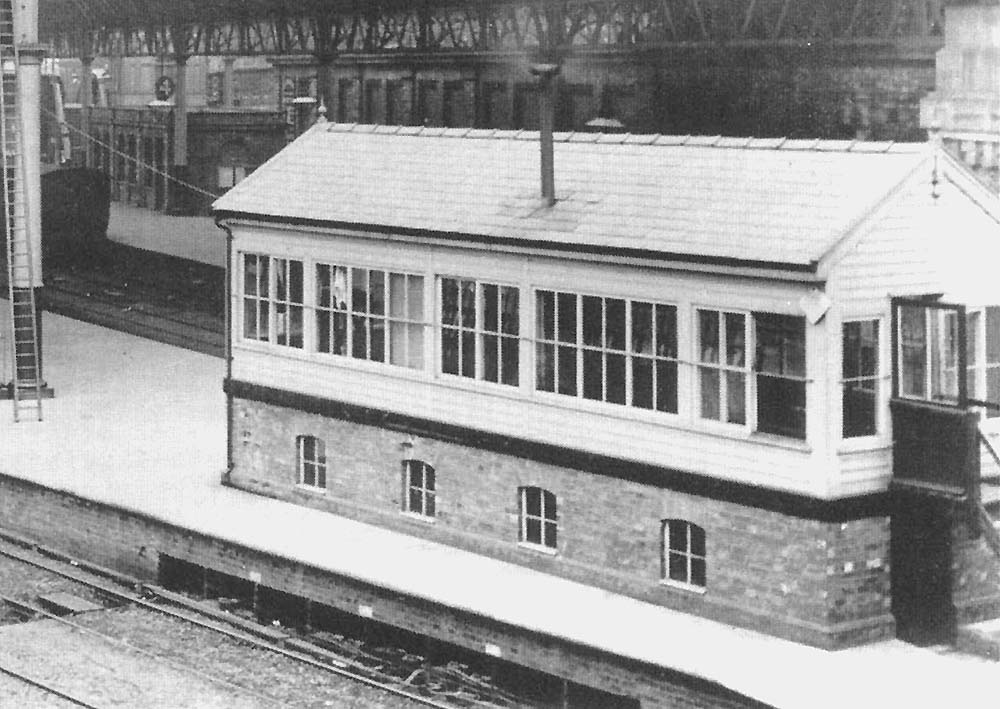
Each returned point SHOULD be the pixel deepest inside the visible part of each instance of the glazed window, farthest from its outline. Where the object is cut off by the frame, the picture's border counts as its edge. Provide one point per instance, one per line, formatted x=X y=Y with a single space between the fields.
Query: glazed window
x=370 y=314
x=231 y=175
x=272 y=300
x=311 y=461
x=538 y=517
x=860 y=378
x=480 y=325
x=722 y=368
x=418 y=488
x=683 y=554
x=781 y=374
x=607 y=349
x=983 y=357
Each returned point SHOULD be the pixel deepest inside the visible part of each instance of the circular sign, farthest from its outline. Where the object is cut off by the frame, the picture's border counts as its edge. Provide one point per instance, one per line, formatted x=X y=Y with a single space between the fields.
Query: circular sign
x=164 y=88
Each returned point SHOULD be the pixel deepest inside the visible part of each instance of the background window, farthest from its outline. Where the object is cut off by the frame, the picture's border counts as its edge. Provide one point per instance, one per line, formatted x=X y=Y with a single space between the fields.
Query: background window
x=860 y=378
x=418 y=494
x=480 y=326
x=311 y=461
x=607 y=349
x=781 y=372
x=370 y=314
x=722 y=369
x=272 y=300
x=683 y=553
x=538 y=516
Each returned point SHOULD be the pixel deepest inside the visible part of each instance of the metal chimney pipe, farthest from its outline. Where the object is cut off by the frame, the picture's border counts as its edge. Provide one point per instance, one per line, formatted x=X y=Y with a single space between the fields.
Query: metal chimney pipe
x=547 y=108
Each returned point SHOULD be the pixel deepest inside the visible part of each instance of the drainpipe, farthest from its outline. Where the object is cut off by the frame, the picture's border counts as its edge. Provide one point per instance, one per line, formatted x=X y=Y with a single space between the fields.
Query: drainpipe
x=230 y=438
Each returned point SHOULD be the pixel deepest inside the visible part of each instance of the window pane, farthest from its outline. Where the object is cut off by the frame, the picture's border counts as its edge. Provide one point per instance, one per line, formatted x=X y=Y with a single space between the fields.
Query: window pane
x=295 y=336
x=449 y=351
x=263 y=321
x=992 y=335
x=567 y=371
x=697 y=540
x=550 y=534
x=566 y=311
x=678 y=534
x=781 y=406
x=736 y=397
x=642 y=328
x=509 y=310
x=428 y=478
x=710 y=393
x=264 y=279
x=323 y=294
x=593 y=375
x=397 y=295
x=615 y=324
x=250 y=319
x=545 y=367
x=359 y=335
x=616 y=379
x=249 y=274
x=376 y=292
x=359 y=290
x=533 y=501
x=397 y=343
x=491 y=308
x=339 y=288
x=735 y=340
x=666 y=386
x=666 y=331
x=859 y=409
x=490 y=360
x=321 y=476
x=415 y=353
x=593 y=318
x=415 y=292
x=280 y=279
x=295 y=281
x=545 y=315
x=993 y=390
x=323 y=331
x=533 y=530
x=449 y=301
x=913 y=343
x=708 y=336
x=429 y=508
x=468 y=297
x=415 y=500
x=642 y=383
x=698 y=572
x=377 y=340
x=468 y=353
x=340 y=333
x=509 y=361
x=678 y=567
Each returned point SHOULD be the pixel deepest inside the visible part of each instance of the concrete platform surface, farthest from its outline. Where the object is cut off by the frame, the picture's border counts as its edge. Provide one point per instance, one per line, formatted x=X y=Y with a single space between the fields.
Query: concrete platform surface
x=141 y=425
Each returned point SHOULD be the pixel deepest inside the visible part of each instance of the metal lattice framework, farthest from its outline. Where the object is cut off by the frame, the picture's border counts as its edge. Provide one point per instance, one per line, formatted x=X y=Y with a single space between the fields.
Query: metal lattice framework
x=332 y=27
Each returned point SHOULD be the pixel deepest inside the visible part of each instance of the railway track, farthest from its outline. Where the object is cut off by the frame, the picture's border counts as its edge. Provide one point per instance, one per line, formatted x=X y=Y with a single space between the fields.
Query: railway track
x=125 y=590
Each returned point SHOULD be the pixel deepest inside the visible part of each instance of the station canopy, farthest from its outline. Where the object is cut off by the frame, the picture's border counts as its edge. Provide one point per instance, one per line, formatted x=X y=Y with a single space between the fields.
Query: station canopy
x=325 y=28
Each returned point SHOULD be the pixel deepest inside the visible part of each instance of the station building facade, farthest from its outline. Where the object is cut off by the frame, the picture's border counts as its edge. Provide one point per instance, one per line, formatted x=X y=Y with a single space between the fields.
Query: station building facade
x=672 y=383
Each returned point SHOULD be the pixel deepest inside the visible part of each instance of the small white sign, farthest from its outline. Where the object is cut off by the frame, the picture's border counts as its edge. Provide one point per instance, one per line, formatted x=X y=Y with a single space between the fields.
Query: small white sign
x=492 y=650
x=255 y=577
x=365 y=611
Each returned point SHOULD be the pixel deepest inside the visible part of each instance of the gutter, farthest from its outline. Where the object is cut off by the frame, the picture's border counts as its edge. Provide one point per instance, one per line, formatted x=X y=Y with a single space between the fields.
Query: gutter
x=228 y=347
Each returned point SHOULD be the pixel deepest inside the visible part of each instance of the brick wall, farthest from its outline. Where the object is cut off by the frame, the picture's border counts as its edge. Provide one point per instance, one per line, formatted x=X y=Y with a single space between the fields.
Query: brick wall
x=821 y=583
x=132 y=543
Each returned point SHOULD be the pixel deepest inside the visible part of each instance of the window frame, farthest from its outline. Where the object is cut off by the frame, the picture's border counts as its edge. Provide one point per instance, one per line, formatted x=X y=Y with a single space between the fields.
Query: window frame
x=749 y=422
x=687 y=554
x=391 y=325
x=426 y=492
x=876 y=379
x=280 y=310
x=547 y=502
x=318 y=462
x=579 y=349
x=478 y=333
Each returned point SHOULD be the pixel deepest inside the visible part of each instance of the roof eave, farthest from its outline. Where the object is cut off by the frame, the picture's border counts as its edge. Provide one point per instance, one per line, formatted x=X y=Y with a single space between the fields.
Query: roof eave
x=805 y=272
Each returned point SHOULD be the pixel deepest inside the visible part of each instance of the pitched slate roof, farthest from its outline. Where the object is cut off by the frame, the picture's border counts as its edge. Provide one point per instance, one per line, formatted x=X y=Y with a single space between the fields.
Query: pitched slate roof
x=771 y=201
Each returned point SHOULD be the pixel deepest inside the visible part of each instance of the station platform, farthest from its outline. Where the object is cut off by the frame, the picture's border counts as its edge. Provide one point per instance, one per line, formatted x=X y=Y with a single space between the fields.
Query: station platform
x=140 y=426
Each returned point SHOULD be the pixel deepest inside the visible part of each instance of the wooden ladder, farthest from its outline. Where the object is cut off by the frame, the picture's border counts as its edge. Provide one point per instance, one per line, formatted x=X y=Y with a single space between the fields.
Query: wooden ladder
x=26 y=384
